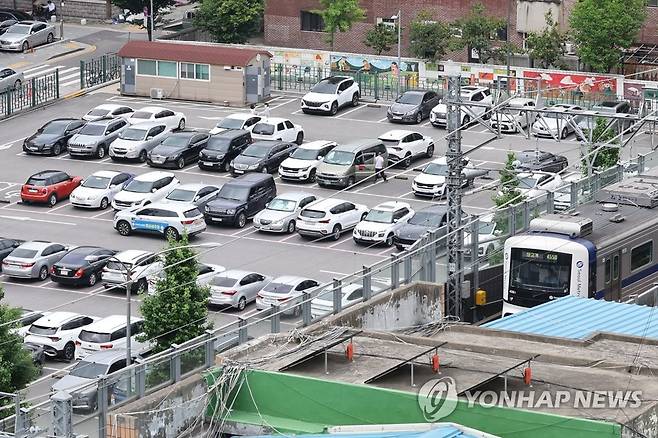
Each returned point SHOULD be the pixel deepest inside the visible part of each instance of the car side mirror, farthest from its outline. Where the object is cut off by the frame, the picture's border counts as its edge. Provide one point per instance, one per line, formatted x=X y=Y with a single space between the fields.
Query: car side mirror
x=153 y=190
x=340 y=91
x=113 y=186
x=149 y=137
x=320 y=157
x=267 y=205
x=395 y=221
x=498 y=232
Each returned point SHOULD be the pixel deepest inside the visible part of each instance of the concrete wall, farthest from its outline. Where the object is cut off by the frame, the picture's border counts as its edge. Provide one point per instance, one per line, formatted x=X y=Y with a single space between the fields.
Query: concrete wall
x=95 y=10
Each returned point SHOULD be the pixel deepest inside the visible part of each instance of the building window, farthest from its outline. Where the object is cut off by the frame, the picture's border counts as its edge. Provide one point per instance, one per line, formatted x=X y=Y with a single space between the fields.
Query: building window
x=311 y=22
x=641 y=255
x=167 y=69
x=186 y=71
x=194 y=71
x=146 y=67
x=202 y=71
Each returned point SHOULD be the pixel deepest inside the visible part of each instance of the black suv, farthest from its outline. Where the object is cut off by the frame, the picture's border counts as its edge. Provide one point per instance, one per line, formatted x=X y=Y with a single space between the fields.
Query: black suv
x=223 y=148
x=240 y=199
x=262 y=156
x=177 y=150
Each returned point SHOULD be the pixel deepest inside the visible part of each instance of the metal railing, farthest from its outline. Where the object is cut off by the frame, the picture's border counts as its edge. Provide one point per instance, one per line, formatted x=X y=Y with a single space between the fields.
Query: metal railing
x=99 y=70
x=31 y=93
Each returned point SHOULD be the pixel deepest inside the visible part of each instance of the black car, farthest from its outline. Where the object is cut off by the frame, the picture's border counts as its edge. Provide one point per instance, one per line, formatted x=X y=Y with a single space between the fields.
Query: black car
x=9 y=17
x=240 y=199
x=81 y=266
x=262 y=156
x=52 y=138
x=423 y=221
x=413 y=106
x=535 y=160
x=6 y=247
x=223 y=148
x=177 y=150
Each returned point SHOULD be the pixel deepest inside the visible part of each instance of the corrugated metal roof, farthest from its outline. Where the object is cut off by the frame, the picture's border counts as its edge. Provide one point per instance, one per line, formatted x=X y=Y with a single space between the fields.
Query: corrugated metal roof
x=572 y=317
x=199 y=53
x=447 y=431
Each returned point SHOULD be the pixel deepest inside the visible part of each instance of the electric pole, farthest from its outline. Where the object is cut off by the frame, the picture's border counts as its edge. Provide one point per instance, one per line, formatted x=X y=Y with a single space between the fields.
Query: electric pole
x=454 y=185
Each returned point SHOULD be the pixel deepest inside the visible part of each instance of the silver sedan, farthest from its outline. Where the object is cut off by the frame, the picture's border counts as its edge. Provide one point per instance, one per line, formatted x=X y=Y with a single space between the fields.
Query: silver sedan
x=10 y=79
x=236 y=288
x=25 y=35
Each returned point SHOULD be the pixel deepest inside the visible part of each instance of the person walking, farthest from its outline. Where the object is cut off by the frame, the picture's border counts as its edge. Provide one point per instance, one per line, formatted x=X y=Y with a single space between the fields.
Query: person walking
x=379 y=167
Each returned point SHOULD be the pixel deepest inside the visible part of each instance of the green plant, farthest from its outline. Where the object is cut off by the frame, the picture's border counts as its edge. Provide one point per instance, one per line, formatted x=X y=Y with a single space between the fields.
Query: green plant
x=339 y=16
x=428 y=38
x=600 y=157
x=230 y=21
x=381 y=38
x=548 y=46
x=478 y=31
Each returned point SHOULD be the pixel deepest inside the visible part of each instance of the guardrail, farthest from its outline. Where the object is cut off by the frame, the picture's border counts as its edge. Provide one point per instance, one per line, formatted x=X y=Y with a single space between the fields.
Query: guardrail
x=99 y=70
x=31 y=93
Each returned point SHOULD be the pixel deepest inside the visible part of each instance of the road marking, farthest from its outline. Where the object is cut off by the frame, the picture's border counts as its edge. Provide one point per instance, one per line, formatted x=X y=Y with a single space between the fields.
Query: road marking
x=350 y=111
x=66 y=84
x=385 y=119
x=41 y=72
x=39 y=67
x=60 y=207
x=68 y=70
x=25 y=218
x=284 y=103
x=341 y=240
x=50 y=376
x=334 y=273
x=102 y=213
x=9 y=144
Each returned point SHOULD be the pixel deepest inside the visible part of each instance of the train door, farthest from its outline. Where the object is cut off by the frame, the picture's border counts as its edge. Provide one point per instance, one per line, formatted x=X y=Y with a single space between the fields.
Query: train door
x=612 y=276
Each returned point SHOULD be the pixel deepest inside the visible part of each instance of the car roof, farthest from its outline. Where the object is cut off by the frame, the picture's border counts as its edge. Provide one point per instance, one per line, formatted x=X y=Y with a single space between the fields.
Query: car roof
x=316 y=144
x=326 y=203
x=241 y=116
x=250 y=178
x=148 y=124
x=35 y=244
x=472 y=89
x=178 y=207
x=47 y=173
x=290 y=279
x=438 y=208
x=395 y=134
x=294 y=196
x=66 y=119
x=335 y=79
x=55 y=319
x=106 y=356
x=185 y=134
x=194 y=186
x=28 y=22
x=131 y=254
x=153 y=109
x=355 y=145
x=106 y=173
x=440 y=160
x=275 y=120
x=392 y=206
x=110 y=323
x=108 y=106
x=231 y=133
x=236 y=273
x=153 y=176
x=268 y=143
x=519 y=101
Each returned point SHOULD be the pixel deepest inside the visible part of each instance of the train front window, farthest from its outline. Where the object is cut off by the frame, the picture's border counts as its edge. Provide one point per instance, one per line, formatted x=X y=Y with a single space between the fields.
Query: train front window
x=540 y=270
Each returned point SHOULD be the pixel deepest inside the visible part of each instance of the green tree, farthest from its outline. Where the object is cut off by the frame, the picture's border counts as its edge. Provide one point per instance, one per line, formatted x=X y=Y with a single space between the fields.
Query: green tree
x=339 y=16
x=602 y=29
x=381 y=38
x=478 y=31
x=601 y=157
x=230 y=21
x=178 y=309
x=428 y=38
x=547 y=47
x=137 y=6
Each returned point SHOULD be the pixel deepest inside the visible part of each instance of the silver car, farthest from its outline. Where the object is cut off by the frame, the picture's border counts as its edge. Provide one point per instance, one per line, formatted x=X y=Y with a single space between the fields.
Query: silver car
x=236 y=288
x=10 y=79
x=136 y=141
x=195 y=193
x=281 y=213
x=94 y=138
x=27 y=34
x=33 y=259
x=285 y=291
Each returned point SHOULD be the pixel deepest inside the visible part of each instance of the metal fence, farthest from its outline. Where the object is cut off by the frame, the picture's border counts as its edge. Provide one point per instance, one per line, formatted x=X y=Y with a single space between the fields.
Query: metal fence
x=31 y=93
x=97 y=71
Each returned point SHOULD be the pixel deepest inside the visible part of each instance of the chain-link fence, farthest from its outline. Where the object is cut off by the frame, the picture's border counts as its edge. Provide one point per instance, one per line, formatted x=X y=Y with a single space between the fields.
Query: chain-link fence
x=99 y=70
x=30 y=93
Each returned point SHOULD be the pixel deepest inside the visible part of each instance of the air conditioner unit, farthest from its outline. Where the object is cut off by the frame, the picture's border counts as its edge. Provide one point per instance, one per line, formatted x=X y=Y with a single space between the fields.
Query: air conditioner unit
x=157 y=93
x=570 y=48
x=386 y=21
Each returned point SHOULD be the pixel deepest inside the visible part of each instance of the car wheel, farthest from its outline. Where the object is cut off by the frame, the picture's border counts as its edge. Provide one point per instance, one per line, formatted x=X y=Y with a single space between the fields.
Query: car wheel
x=91 y=281
x=242 y=303
x=335 y=233
x=225 y=166
x=104 y=203
x=389 y=240
x=26 y=46
x=68 y=353
x=180 y=163
x=57 y=149
x=181 y=124
x=123 y=227
x=350 y=181
x=300 y=138
x=419 y=117
x=50 y=38
x=564 y=133
x=465 y=123
x=291 y=227
x=407 y=160
x=355 y=99
x=311 y=176
x=241 y=221
x=100 y=152
x=43 y=273
x=52 y=200
x=142 y=156
x=430 y=151
x=264 y=170
x=171 y=233
x=334 y=108
x=141 y=287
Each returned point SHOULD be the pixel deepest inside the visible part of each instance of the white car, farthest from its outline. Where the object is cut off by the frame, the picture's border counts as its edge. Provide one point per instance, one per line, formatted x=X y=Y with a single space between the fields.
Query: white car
x=381 y=223
x=276 y=128
x=303 y=163
x=99 y=188
x=206 y=273
x=280 y=214
x=236 y=121
x=331 y=94
x=282 y=290
x=479 y=95
x=351 y=294
x=533 y=184
x=329 y=218
x=236 y=288
x=556 y=125
x=169 y=220
x=110 y=332
x=173 y=120
x=108 y=110
x=145 y=189
x=404 y=146
x=142 y=264
x=517 y=115
x=488 y=237
x=432 y=180
x=57 y=333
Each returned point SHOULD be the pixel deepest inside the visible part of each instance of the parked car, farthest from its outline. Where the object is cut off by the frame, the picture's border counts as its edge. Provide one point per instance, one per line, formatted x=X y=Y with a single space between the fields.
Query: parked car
x=323 y=303
x=488 y=238
x=616 y=107
x=94 y=139
x=108 y=110
x=136 y=141
x=25 y=35
x=427 y=220
x=223 y=148
x=329 y=218
x=236 y=288
x=81 y=266
x=145 y=189
x=534 y=159
x=517 y=115
x=25 y=321
x=142 y=264
x=241 y=199
x=284 y=290
x=302 y=164
x=432 y=180
x=205 y=275
x=32 y=259
x=404 y=146
x=52 y=138
x=99 y=188
x=57 y=333
x=330 y=94
x=475 y=94
x=381 y=223
x=173 y=120
x=276 y=128
x=262 y=156
x=48 y=187
x=169 y=220
x=10 y=79
x=110 y=333
x=236 y=122
x=196 y=193
x=350 y=162
x=413 y=106
x=280 y=214
x=533 y=184
x=6 y=247
x=556 y=124
x=11 y=16
x=178 y=149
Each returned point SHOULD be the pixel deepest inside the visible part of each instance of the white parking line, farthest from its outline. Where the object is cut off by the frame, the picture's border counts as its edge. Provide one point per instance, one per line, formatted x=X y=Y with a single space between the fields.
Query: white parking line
x=43 y=71
x=385 y=119
x=67 y=84
x=66 y=204
x=350 y=111
x=284 y=103
x=341 y=240
x=102 y=213
x=25 y=218
x=9 y=144
x=50 y=376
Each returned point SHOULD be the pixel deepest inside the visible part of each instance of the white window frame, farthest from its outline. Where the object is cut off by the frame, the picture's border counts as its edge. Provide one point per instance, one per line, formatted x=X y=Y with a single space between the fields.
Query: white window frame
x=180 y=65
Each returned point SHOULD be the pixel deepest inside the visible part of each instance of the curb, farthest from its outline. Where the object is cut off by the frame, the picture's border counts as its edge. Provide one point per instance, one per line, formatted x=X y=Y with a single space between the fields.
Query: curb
x=79 y=93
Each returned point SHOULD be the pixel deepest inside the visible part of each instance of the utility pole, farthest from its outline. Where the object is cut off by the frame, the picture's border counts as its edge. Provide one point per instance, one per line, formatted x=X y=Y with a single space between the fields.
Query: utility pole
x=454 y=185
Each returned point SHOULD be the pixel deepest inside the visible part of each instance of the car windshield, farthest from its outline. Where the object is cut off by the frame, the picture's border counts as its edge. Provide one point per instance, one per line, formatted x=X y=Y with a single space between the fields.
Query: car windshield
x=96 y=182
x=390 y=143
x=23 y=253
x=234 y=193
x=89 y=370
x=41 y=330
x=55 y=128
x=94 y=130
x=380 y=216
x=279 y=204
x=36 y=182
x=324 y=87
x=486 y=227
x=436 y=169
x=426 y=218
x=181 y=195
x=257 y=151
x=528 y=182
x=133 y=134
x=410 y=99
x=98 y=112
x=175 y=141
x=137 y=186
x=223 y=281
x=218 y=144
x=305 y=154
x=340 y=158
x=95 y=337
x=19 y=29
x=116 y=266
x=142 y=115
x=278 y=288
x=230 y=123
x=263 y=129
x=313 y=214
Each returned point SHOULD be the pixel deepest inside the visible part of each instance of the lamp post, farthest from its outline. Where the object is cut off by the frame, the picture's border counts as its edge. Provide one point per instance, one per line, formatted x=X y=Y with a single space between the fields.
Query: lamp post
x=398 y=18
x=61 y=11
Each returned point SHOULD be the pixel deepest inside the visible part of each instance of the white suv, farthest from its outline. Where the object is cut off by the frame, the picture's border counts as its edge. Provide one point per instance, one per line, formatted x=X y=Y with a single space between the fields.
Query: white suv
x=57 y=333
x=329 y=217
x=381 y=223
x=479 y=95
x=432 y=180
x=168 y=220
x=303 y=163
x=331 y=94
x=276 y=128
x=142 y=264
x=404 y=146
x=145 y=189
x=109 y=332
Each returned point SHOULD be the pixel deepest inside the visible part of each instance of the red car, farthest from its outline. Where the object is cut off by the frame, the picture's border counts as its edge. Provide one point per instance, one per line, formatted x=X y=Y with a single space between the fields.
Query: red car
x=48 y=187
